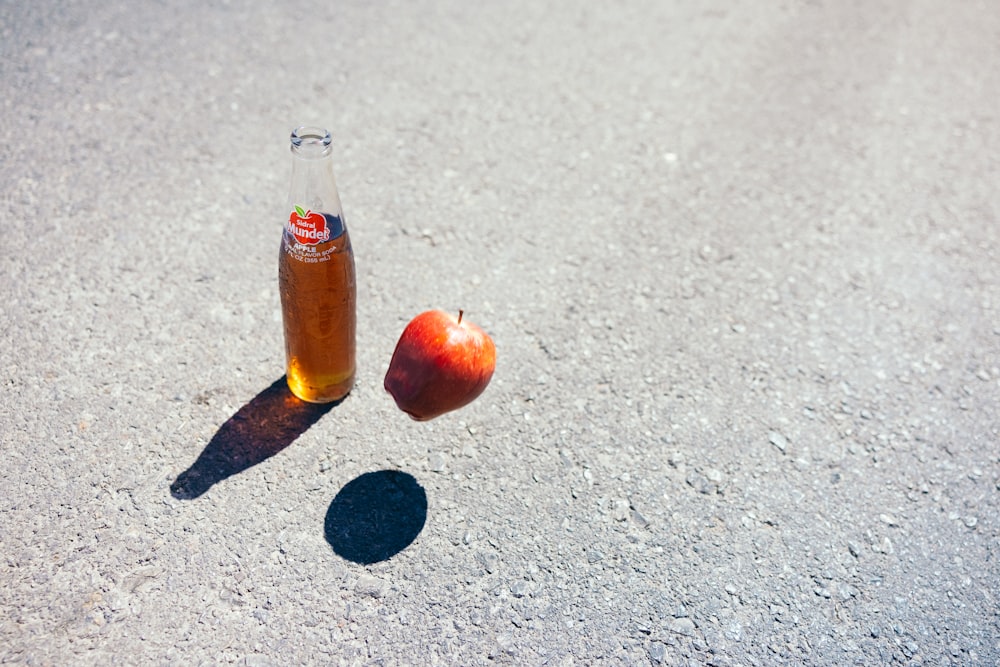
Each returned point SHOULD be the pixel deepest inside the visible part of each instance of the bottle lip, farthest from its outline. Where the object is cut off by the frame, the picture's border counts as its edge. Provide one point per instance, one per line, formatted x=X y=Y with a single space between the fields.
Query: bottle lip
x=310 y=141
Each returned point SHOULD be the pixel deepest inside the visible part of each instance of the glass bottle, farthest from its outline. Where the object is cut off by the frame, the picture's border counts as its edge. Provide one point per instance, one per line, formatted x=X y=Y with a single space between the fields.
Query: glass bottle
x=316 y=276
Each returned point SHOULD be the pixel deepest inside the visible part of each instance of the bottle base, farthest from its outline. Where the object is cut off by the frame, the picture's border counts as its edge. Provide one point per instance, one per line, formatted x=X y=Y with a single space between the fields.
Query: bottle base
x=326 y=394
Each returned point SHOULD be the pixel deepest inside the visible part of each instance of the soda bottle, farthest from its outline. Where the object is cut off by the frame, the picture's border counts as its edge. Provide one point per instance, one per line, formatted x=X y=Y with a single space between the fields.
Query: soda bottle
x=316 y=276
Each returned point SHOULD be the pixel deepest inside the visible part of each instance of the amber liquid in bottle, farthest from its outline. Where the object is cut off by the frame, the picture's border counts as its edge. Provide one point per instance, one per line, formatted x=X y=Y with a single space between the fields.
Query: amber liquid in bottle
x=318 y=293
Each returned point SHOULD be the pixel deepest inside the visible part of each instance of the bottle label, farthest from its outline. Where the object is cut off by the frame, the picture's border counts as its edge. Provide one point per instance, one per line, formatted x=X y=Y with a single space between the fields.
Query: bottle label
x=308 y=227
x=315 y=240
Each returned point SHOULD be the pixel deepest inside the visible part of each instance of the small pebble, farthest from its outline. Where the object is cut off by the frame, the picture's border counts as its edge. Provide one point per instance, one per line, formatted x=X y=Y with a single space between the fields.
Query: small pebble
x=777 y=440
x=854 y=549
x=682 y=626
x=639 y=519
x=846 y=591
x=519 y=588
x=700 y=483
x=436 y=463
x=490 y=562
x=370 y=586
x=971 y=521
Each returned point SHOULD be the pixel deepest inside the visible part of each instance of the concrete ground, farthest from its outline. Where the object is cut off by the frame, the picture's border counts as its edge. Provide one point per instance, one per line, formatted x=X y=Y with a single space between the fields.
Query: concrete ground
x=740 y=261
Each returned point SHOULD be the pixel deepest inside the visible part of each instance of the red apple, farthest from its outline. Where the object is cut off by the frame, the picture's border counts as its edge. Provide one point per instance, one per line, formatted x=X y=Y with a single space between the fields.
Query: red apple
x=441 y=363
x=308 y=227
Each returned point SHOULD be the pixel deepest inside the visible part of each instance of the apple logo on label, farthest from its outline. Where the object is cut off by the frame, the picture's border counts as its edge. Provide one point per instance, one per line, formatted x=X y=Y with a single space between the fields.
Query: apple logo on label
x=308 y=227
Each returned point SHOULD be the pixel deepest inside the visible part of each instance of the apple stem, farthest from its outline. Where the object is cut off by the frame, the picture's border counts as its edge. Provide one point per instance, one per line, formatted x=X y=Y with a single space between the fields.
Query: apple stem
x=460 y=313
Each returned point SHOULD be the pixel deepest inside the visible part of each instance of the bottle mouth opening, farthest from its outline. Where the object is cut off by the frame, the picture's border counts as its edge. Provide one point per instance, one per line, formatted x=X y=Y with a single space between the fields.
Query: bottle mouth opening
x=310 y=141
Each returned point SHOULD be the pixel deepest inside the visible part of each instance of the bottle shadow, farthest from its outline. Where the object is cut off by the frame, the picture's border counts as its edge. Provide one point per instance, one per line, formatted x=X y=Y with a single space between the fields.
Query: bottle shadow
x=375 y=516
x=271 y=421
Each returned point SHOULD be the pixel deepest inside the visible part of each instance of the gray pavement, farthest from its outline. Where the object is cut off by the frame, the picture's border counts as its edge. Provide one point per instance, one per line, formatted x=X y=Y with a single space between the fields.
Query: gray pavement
x=740 y=261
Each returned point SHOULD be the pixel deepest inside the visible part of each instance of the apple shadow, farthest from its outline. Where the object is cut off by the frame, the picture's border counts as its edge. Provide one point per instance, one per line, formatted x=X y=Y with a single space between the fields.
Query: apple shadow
x=375 y=516
x=271 y=421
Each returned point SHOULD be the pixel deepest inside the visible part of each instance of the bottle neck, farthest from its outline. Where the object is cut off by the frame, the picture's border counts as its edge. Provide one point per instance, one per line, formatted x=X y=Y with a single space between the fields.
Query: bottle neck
x=313 y=186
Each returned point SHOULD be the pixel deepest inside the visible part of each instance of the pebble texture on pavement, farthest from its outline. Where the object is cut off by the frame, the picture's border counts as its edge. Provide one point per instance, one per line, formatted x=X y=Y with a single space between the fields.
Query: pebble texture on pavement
x=740 y=261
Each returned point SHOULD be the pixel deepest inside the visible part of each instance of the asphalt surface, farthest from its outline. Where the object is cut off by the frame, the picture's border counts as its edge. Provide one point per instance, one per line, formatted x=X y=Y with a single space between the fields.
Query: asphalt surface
x=739 y=261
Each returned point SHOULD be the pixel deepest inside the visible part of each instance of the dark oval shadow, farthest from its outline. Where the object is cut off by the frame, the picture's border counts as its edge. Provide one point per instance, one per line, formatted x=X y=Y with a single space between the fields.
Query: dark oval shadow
x=375 y=516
